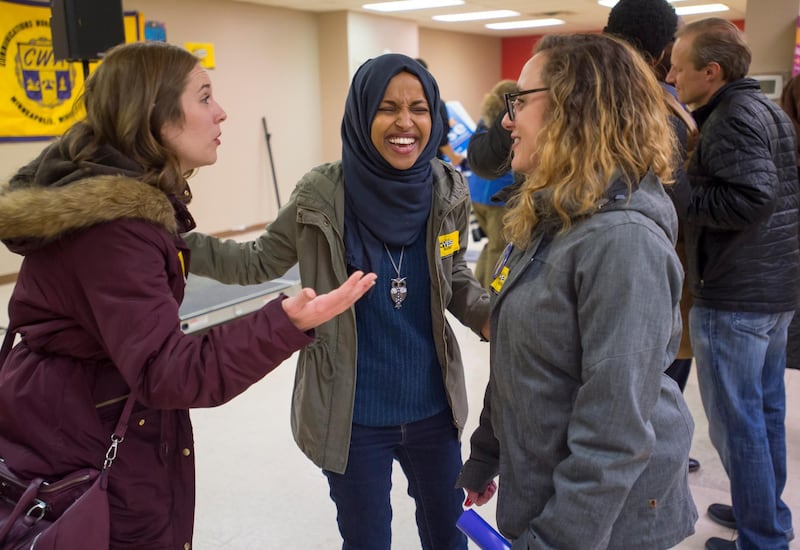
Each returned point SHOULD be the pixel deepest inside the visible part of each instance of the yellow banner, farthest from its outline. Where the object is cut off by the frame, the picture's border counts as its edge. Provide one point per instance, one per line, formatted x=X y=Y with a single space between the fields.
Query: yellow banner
x=203 y=51
x=37 y=93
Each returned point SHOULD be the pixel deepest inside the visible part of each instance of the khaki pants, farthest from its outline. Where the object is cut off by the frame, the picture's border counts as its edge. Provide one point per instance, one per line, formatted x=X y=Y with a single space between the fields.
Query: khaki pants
x=490 y=219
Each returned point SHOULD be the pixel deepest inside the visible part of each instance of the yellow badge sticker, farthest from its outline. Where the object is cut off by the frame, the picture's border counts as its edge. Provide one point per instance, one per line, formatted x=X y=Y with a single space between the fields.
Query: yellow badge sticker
x=500 y=280
x=449 y=244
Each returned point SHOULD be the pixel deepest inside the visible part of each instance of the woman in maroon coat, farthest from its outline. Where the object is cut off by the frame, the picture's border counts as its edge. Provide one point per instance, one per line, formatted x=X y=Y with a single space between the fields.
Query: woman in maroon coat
x=98 y=218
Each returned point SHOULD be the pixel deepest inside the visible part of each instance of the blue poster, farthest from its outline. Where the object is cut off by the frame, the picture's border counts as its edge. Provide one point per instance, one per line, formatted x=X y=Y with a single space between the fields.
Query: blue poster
x=461 y=127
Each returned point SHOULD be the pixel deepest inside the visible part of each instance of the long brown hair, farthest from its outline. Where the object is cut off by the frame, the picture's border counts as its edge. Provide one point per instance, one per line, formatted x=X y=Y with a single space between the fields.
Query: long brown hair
x=606 y=115
x=128 y=98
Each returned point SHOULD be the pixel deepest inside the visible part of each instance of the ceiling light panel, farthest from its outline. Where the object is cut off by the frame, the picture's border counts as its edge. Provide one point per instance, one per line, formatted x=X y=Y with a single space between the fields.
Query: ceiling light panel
x=700 y=8
x=528 y=24
x=612 y=3
x=408 y=5
x=475 y=16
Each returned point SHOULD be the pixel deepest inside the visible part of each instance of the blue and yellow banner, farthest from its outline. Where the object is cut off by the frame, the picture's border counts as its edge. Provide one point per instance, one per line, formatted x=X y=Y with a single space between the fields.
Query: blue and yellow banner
x=37 y=92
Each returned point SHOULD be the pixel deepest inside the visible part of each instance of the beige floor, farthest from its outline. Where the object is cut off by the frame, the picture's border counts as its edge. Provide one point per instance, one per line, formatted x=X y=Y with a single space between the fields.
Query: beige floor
x=255 y=490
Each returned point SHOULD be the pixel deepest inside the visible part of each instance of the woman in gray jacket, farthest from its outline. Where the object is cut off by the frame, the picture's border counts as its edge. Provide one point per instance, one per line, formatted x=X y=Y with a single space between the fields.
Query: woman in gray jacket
x=589 y=436
x=384 y=380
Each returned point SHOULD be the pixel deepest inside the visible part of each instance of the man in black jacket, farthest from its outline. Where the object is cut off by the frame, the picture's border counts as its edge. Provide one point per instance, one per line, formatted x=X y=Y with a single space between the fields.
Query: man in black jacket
x=740 y=209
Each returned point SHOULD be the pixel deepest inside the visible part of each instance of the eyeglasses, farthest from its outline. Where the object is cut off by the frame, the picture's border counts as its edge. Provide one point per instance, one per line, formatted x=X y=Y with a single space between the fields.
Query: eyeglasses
x=511 y=100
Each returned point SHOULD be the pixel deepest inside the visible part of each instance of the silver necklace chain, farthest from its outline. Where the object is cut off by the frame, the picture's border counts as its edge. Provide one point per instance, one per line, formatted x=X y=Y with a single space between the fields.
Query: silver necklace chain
x=394 y=265
x=398 y=289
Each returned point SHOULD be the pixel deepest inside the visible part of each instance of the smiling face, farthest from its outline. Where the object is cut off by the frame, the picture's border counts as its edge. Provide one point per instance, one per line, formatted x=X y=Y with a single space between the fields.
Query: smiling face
x=195 y=140
x=402 y=126
x=529 y=116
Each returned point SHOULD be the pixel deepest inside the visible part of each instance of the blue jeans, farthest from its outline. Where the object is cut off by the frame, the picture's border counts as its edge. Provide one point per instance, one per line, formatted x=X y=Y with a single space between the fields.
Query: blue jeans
x=430 y=454
x=741 y=360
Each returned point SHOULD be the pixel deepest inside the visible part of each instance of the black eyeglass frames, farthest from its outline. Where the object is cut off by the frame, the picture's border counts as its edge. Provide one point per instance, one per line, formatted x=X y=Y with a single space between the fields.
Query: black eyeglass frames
x=511 y=100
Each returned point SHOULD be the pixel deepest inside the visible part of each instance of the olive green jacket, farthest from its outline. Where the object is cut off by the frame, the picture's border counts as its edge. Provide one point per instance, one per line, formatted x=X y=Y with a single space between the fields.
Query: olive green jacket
x=309 y=231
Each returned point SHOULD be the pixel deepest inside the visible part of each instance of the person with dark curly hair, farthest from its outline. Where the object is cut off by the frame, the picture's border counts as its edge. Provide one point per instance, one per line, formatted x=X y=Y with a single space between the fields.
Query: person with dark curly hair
x=650 y=27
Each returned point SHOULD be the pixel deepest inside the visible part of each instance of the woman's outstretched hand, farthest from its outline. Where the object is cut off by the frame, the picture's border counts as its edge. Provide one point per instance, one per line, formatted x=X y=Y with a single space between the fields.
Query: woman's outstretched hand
x=307 y=310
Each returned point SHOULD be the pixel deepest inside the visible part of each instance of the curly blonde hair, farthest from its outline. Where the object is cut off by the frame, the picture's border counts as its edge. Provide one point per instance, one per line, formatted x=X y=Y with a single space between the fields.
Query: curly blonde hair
x=606 y=115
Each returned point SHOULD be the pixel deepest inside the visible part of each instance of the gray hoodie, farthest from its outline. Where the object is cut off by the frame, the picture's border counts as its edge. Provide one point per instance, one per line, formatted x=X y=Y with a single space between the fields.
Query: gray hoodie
x=589 y=436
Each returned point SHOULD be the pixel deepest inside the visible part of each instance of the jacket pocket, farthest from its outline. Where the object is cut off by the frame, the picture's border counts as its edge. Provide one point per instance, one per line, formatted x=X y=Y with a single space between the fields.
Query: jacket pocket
x=661 y=494
x=312 y=398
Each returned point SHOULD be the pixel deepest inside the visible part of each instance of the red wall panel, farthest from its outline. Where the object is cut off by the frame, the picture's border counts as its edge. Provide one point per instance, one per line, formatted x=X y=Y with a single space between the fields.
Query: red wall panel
x=516 y=50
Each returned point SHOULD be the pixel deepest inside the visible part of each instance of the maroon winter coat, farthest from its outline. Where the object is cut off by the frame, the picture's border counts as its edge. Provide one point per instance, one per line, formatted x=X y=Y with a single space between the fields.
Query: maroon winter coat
x=96 y=304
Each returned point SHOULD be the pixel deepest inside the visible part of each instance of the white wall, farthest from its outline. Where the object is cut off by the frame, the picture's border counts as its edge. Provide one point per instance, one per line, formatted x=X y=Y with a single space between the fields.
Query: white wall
x=266 y=65
x=372 y=35
x=283 y=64
x=771 y=34
x=466 y=66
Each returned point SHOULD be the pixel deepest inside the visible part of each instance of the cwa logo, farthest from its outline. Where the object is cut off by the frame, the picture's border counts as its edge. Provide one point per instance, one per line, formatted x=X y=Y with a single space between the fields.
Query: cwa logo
x=44 y=80
x=37 y=92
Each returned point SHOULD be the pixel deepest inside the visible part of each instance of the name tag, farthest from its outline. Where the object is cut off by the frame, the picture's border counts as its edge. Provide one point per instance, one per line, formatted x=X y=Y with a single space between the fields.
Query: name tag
x=449 y=244
x=500 y=280
x=500 y=270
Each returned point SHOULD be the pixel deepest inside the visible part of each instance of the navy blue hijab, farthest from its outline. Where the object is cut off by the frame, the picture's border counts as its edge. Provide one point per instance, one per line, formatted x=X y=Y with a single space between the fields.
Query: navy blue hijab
x=383 y=204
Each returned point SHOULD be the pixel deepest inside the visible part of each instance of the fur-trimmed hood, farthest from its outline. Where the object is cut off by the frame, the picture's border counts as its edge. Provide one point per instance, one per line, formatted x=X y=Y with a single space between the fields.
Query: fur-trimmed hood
x=41 y=214
x=52 y=195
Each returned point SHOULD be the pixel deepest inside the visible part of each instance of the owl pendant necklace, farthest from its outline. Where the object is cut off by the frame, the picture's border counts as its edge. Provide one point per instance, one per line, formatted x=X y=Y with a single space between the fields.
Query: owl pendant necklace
x=398 y=290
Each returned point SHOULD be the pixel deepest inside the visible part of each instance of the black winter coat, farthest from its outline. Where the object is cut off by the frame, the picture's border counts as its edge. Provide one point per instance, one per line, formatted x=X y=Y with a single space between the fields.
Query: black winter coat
x=740 y=206
x=489 y=152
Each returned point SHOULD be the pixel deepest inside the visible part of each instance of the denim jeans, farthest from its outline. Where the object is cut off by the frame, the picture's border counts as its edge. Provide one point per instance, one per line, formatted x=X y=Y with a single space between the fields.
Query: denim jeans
x=741 y=360
x=430 y=454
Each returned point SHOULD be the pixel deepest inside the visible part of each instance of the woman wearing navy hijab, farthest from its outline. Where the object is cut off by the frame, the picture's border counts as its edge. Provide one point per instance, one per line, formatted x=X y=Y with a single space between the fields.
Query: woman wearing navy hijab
x=384 y=380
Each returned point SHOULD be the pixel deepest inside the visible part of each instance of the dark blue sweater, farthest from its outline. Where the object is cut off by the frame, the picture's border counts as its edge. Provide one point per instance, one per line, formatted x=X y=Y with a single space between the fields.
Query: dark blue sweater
x=399 y=379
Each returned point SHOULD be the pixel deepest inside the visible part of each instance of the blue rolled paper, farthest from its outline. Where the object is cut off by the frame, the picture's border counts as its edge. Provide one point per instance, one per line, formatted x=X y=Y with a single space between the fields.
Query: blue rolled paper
x=480 y=532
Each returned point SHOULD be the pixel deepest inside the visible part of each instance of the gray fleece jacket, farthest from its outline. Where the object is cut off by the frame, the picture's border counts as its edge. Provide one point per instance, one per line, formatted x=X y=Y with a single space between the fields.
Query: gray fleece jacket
x=589 y=436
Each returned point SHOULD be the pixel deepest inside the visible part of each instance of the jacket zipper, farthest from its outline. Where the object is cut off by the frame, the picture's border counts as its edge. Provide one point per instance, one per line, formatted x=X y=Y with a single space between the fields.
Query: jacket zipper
x=442 y=306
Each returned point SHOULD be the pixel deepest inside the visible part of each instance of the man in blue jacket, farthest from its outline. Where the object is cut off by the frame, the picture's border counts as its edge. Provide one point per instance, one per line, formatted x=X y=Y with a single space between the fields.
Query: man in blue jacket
x=740 y=208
